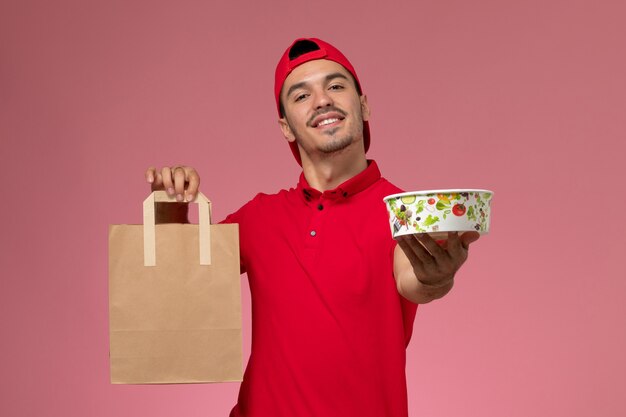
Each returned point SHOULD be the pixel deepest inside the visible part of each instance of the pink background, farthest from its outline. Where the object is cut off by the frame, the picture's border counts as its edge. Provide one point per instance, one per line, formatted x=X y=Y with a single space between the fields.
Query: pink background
x=525 y=98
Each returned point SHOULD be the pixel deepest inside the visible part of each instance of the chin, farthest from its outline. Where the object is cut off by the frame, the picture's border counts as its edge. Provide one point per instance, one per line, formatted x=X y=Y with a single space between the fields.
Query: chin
x=338 y=145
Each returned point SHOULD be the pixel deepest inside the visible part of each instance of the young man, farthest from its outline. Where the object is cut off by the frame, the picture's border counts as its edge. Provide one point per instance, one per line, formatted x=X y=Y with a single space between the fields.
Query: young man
x=333 y=296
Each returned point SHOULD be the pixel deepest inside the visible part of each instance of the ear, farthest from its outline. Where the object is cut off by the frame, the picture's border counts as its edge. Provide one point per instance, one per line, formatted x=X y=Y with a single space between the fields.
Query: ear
x=286 y=129
x=365 y=108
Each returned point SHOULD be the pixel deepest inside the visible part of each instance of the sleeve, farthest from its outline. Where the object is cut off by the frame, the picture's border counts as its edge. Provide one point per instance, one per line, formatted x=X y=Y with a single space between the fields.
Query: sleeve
x=409 y=311
x=409 y=308
x=235 y=217
x=239 y=217
x=246 y=221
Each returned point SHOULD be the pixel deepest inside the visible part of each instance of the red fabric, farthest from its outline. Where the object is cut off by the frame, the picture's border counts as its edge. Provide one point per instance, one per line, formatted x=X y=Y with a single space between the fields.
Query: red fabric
x=329 y=329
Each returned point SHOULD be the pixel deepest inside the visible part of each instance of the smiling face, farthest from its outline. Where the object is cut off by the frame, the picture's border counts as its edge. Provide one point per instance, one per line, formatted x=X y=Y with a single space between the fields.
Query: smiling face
x=323 y=111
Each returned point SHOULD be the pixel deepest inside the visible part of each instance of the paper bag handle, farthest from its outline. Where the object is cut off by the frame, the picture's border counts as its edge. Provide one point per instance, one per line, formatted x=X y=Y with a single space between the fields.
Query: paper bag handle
x=204 y=223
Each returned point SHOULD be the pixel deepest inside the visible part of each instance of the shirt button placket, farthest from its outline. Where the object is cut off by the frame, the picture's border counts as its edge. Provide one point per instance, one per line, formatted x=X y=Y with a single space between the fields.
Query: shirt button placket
x=316 y=220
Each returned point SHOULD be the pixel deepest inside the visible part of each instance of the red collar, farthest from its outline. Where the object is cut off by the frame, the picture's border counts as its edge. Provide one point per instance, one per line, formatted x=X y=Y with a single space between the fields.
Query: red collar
x=354 y=185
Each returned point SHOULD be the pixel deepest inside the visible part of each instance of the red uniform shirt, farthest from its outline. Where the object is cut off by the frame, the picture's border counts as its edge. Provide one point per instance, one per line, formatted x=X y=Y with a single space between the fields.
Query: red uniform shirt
x=329 y=329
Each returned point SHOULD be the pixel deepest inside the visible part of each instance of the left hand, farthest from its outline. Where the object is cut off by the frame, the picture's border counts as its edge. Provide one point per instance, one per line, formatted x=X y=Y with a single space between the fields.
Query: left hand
x=433 y=265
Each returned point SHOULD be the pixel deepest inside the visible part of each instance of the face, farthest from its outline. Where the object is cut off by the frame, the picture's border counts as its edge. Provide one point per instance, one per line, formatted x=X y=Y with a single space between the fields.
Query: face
x=323 y=110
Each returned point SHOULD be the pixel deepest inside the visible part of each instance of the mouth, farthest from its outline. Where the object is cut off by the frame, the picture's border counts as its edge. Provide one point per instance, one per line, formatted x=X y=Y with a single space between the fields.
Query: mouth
x=327 y=120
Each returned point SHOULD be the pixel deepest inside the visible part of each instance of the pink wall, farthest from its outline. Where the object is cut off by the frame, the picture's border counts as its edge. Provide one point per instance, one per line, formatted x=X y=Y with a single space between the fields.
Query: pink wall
x=525 y=98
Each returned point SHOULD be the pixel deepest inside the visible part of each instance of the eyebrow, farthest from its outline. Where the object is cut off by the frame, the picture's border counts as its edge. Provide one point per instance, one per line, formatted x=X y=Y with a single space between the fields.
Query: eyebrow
x=328 y=78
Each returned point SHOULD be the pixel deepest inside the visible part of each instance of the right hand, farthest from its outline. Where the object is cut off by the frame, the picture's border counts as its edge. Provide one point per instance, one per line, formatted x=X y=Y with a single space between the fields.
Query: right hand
x=179 y=181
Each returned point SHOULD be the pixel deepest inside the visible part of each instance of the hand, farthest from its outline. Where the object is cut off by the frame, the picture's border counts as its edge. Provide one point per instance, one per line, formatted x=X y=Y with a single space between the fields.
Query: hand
x=428 y=267
x=180 y=181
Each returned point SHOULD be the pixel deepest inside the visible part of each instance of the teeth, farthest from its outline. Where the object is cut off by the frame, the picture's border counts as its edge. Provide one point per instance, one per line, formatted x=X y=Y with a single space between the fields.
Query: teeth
x=327 y=122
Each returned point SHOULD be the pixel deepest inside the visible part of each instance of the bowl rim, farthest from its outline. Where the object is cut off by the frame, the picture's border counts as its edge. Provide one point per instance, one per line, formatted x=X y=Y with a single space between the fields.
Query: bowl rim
x=442 y=191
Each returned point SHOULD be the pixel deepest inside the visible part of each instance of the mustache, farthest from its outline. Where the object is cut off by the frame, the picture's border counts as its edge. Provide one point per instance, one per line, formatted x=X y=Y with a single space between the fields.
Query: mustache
x=324 y=111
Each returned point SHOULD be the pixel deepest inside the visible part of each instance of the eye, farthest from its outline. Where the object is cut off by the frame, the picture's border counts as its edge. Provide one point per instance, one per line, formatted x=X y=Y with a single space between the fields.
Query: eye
x=336 y=87
x=299 y=97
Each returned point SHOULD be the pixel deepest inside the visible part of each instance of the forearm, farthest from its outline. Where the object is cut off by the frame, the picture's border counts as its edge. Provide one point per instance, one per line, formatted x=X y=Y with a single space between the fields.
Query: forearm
x=171 y=213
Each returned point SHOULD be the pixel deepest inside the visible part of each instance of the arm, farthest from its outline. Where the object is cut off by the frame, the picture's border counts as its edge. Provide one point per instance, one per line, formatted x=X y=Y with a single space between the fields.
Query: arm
x=182 y=182
x=424 y=270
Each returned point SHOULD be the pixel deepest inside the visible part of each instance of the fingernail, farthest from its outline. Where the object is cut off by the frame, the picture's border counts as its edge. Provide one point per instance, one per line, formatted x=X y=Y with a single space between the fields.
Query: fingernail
x=179 y=197
x=150 y=179
x=189 y=198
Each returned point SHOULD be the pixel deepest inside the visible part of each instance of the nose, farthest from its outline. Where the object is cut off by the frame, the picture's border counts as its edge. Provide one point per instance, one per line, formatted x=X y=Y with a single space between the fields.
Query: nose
x=322 y=99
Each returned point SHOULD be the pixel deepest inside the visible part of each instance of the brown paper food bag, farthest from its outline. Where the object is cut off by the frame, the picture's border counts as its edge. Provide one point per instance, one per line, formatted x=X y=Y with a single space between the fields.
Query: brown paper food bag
x=174 y=300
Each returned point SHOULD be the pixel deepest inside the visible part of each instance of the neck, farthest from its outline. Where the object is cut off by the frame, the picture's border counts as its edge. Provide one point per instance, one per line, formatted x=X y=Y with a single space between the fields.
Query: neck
x=329 y=172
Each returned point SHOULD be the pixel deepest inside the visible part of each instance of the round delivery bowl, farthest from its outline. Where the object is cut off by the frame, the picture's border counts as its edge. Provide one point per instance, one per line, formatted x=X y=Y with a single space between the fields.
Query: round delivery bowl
x=438 y=212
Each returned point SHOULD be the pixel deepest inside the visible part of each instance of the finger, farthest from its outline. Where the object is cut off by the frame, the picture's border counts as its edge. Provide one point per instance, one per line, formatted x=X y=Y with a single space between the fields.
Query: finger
x=154 y=178
x=416 y=263
x=436 y=251
x=456 y=250
x=178 y=174
x=420 y=251
x=166 y=177
x=150 y=175
x=193 y=180
x=158 y=182
x=468 y=238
